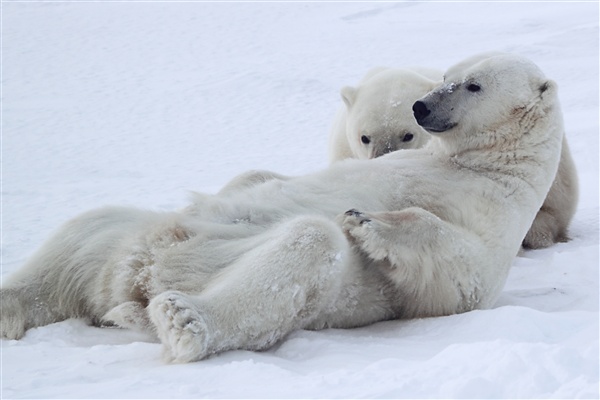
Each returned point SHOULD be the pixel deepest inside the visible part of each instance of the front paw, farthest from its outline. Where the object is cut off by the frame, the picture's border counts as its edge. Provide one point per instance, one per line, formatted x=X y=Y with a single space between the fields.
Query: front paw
x=358 y=227
x=355 y=217
x=351 y=220
x=366 y=232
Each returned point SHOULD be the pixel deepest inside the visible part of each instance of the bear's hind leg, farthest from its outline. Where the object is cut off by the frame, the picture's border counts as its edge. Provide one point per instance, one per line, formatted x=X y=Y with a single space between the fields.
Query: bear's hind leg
x=282 y=284
x=21 y=309
x=180 y=326
x=72 y=274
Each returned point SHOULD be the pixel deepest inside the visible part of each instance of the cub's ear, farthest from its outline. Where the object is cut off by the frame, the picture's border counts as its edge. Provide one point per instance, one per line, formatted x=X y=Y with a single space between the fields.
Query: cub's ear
x=548 y=88
x=348 y=95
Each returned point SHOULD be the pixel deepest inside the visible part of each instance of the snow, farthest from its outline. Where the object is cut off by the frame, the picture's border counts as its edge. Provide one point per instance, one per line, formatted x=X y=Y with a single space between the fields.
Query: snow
x=137 y=103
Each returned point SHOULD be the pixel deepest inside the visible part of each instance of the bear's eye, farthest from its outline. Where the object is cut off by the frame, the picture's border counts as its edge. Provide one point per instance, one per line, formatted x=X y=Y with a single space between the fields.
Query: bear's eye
x=473 y=88
x=365 y=139
x=408 y=137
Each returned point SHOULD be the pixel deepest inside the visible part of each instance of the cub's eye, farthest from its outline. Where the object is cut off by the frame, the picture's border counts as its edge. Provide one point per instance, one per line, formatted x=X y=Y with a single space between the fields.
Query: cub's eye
x=365 y=139
x=473 y=88
x=408 y=137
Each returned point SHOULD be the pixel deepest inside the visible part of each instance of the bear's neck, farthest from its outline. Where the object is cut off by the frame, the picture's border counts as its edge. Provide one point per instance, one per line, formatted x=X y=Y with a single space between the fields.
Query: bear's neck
x=531 y=158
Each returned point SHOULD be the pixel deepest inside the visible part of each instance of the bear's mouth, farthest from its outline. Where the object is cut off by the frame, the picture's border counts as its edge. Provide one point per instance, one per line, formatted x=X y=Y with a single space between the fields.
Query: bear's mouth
x=438 y=129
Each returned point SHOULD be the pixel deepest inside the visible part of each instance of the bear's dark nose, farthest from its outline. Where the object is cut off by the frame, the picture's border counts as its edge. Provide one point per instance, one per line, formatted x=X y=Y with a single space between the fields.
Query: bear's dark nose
x=420 y=110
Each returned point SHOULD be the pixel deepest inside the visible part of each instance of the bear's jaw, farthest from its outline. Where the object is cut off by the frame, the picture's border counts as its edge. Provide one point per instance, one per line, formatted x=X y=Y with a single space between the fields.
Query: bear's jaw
x=439 y=129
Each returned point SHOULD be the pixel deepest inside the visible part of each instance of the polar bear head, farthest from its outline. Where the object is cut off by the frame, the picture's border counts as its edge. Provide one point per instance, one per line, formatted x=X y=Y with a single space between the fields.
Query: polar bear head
x=487 y=99
x=379 y=116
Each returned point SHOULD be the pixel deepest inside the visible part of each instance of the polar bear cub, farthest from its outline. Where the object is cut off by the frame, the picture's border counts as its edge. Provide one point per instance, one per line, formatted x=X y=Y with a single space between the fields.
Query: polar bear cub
x=376 y=118
x=419 y=233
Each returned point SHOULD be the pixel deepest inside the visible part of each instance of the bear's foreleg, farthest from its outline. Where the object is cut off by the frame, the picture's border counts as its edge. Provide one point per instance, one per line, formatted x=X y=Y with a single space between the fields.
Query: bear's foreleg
x=433 y=263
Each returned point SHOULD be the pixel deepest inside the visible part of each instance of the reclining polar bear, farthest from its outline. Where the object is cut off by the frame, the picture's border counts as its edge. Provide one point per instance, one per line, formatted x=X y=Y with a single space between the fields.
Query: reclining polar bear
x=435 y=234
x=376 y=118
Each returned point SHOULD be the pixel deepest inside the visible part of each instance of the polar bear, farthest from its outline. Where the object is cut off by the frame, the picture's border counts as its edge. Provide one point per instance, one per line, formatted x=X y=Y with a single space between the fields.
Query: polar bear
x=552 y=220
x=376 y=118
x=420 y=233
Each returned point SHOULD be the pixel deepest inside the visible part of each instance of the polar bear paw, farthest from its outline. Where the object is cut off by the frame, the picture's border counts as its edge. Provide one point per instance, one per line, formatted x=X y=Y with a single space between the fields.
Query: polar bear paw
x=355 y=225
x=180 y=327
x=355 y=218
x=363 y=231
x=12 y=318
x=130 y=314
x=545 y=231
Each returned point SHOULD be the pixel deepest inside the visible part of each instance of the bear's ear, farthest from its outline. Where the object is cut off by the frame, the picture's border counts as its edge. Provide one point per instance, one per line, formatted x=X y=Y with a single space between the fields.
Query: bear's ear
x=548 y=88
x=348 y=95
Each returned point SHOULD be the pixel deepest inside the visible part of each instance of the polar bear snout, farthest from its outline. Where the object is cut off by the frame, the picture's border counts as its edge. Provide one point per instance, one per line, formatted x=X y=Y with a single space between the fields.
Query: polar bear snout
x=431 y=121
x=420 y=111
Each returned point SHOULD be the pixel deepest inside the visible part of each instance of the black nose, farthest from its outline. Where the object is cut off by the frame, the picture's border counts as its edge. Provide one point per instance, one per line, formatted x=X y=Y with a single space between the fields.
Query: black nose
x=420 y=110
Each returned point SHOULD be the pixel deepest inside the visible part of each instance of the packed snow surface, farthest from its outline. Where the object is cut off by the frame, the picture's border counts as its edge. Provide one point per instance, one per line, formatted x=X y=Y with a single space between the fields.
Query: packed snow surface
x=137 y=103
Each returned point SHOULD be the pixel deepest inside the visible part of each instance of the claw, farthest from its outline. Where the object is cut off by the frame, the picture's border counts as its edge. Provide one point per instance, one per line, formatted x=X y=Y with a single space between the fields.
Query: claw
x=354 y=212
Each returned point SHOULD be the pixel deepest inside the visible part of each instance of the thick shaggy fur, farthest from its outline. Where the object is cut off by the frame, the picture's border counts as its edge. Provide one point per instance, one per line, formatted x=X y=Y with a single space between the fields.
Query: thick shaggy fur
x=411 y=234
x=376 y=118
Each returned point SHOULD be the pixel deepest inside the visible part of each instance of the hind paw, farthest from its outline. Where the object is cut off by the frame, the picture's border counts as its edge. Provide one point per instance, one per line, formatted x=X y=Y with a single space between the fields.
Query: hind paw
x=13 y=317
x=128 y=315
x=11 y=329
x=180 y=327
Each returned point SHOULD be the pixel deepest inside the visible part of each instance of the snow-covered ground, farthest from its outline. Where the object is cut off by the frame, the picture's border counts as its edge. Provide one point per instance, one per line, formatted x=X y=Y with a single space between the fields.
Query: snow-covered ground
x=138 y=102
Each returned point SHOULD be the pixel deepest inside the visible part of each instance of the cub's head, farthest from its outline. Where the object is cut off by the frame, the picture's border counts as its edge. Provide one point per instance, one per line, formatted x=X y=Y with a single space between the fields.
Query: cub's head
x=485 y=99
x=380 y=118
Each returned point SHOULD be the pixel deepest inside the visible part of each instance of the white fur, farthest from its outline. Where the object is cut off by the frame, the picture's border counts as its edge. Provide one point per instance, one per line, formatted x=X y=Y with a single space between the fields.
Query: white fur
x=436 y=234
x=554 y=217
x=379 y=111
